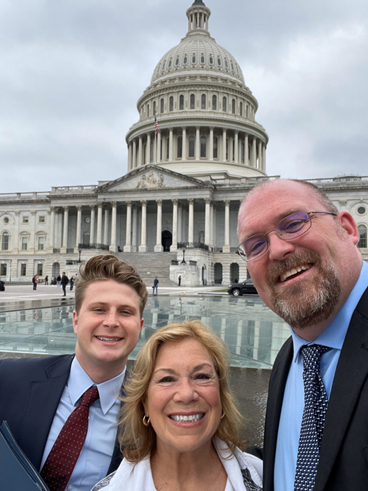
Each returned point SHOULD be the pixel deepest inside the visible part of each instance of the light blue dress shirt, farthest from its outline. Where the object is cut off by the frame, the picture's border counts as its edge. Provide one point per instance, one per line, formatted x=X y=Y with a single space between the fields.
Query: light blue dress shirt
x=95 y=457
x=293 y=402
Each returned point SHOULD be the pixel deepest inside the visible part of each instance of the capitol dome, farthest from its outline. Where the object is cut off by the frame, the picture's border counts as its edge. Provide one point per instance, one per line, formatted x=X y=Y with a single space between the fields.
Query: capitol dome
x=205 y=114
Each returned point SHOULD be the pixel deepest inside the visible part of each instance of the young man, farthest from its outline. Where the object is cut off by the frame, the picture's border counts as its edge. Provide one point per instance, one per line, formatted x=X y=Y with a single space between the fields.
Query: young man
x=302 y=256
x=38 y=395
x=64 y=282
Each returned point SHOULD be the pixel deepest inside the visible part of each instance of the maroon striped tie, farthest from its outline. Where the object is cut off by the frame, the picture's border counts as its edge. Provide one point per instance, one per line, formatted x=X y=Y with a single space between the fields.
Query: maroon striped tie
x=64 y=454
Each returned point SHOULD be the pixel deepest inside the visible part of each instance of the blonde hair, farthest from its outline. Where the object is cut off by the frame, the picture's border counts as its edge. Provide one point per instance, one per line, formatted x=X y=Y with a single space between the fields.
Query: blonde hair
x=136 y=439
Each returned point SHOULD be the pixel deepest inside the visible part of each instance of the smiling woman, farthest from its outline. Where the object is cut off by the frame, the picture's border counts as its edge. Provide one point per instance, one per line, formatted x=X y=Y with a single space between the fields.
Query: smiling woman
x=179 y=421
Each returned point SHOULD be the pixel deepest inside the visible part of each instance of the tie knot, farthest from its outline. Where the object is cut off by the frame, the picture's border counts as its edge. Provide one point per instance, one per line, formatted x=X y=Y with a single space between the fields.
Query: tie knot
x=312 y=356
x=90 y=396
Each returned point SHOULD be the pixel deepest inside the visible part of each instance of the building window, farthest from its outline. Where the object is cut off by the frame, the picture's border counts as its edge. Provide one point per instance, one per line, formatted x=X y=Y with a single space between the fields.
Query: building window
x=6 y=220
x=211 y=60
x=185 y=61
x=39 y=269
x=192 y=101
x=24 y=243
x=362 y=229
x=191 y=145
x=151 y=151
x=202 y=59
x=41 y=219
x=167 y=148
x=193 y=58
x=170 y=63
x=23 y=269
x=226 y=63
x=147 y=110
x=241 y=109
x=214 y=102
x=203 y=146
x=361 y=210
x=203 y=101
x=233 y=106
x=5 y=242
x=227 y=149
x=154 y=108
x=224 y=104
x=86 y=237
x=3 y=269
x=181 y=102
x=25 y=220
x=162 y=106
x=180 y=147
x=215 y=147
x=171 y=103
x=242 y=155
x=219 y=61
x=164 y=66
x=177 y=61
x=41 y=242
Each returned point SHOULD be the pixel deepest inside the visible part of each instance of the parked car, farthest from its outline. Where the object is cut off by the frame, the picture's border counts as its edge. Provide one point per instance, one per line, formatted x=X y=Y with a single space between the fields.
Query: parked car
x=246 y=287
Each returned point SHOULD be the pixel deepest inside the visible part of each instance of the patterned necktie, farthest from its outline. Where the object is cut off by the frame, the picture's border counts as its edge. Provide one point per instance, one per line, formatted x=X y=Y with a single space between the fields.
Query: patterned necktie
x=64 y=454
x=314 y=413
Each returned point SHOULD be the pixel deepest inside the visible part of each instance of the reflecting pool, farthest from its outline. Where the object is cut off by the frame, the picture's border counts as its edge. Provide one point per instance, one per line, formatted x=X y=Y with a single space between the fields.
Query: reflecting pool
x=253 y=333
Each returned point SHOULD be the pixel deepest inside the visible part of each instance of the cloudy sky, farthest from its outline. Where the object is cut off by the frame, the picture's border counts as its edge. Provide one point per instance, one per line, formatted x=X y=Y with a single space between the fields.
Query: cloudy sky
x=71 y=72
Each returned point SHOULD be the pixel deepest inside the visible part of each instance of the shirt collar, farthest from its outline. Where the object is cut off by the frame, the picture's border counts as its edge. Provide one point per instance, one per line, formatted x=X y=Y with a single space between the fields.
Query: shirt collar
x=334 y=335
x=79 y=381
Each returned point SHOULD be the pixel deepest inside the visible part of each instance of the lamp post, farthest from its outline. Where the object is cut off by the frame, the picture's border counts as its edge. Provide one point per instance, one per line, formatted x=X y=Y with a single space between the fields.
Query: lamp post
x=183 y=261
x=79 y=258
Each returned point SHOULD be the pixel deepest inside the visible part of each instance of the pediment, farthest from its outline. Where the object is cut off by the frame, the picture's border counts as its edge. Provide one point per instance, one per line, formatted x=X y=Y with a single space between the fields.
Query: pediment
x=151 y=177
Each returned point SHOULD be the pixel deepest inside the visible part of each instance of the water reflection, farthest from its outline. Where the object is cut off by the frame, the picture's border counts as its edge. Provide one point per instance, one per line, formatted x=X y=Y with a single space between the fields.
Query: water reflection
x=253 y=333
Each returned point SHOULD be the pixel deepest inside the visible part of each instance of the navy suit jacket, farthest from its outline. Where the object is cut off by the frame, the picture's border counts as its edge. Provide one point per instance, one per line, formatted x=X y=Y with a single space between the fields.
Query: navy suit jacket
x=343 y=463
x=30 y=391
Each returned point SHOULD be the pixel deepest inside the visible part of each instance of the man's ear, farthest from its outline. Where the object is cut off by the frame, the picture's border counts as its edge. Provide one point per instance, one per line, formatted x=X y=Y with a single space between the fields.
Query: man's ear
x=75 y=321
x=348 y=223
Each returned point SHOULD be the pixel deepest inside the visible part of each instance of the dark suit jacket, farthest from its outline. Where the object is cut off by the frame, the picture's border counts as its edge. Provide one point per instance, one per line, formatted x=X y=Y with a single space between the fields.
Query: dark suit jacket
x=343 y=461
x=30 y=391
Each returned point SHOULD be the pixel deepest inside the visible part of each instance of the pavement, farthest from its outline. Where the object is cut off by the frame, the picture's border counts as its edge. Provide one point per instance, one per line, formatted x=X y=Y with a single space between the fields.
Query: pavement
x=20 y=297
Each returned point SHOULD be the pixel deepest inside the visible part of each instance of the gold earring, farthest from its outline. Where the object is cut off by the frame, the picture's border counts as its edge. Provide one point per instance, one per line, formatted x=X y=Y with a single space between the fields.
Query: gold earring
x=146 y=420
x=223 y=415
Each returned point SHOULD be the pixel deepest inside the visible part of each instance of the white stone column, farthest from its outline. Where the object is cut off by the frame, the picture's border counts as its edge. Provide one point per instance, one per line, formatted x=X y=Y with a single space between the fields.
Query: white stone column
x=148 y=149
x=236 y=148
x=224 y=145
x=246 y=150
x=158 y=149
x=99 y=224
x=128 y=232
x=158 y=247
x=143 y=246
x=174 y=245
x=264 y=158
x=135 y=229
x=79 y=228
x=254 y=152
x=260 y=164
x=180 y=223
x=106 y=227
x=226 y=247
x=140 y=152
x=171 y=144
x=130 y=156
x=197 y=144
x=134 y=158
x=113 y=247
x=207 y=222
x=184 y=143
x=211 y=143
x=92 y=225
x=191 y=221
x=65 y=230
x=52 y=230
x=212 y=227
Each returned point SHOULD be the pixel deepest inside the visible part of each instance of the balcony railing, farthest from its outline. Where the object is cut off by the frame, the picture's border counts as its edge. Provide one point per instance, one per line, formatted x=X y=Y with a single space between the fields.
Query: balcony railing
x=103 y=247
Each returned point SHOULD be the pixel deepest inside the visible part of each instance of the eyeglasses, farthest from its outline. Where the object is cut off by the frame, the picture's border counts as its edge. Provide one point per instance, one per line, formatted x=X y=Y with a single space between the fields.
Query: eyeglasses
x=288 y=228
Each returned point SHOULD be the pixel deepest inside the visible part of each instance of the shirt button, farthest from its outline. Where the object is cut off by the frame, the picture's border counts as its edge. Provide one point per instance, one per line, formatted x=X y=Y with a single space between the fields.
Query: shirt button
x=70 y=486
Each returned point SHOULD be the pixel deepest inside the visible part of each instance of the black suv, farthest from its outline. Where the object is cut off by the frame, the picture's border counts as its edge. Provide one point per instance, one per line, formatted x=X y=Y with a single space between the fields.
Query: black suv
x=237 y=289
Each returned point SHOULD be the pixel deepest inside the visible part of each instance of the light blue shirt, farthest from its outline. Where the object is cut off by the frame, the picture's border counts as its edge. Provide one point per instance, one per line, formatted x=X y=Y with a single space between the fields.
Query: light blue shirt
x=95 y=457
x=293 y=402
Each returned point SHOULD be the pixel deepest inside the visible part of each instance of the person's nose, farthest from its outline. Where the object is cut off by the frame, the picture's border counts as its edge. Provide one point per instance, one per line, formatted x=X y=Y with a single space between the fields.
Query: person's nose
x=111 y=319
x=278 y=248
x=186 y=392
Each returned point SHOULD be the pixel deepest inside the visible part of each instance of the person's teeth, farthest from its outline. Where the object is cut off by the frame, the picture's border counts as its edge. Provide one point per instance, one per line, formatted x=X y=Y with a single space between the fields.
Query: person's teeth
x=108 y=339
x=293 y=271
x=191 y=418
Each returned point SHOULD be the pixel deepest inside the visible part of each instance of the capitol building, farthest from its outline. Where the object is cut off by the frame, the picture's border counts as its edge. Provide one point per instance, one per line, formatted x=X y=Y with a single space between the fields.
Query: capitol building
x=194 y=154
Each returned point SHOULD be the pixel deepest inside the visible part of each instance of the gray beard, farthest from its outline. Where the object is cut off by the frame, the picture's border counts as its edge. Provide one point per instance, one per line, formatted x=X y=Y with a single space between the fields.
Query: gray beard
x=303 y=305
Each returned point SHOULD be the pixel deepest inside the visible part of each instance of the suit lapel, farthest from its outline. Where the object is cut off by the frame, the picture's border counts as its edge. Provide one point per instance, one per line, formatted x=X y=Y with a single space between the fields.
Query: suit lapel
x=351 y=373
x=40 y=406
x=275 y=397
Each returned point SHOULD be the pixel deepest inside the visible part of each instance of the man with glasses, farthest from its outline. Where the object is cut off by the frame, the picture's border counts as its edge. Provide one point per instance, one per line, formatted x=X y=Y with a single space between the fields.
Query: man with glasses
x=301 y=254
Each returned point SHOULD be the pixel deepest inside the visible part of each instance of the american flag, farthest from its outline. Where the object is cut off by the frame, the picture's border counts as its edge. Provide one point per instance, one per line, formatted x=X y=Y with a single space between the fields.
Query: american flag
x=156 y=125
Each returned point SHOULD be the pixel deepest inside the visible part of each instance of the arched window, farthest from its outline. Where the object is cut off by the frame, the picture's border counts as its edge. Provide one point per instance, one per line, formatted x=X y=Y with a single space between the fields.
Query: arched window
x=203 y=146
x=191 y=145
x=226 y=63
x=177 y=61
x=180 y=147
x=362 y=229
x=162 y=102
x=86 y=238
x=203 y=101
x=192 y=101
x=202 y=58
x=233 y=106
x=211 y=60
x=164 y=66
x=181 y=102
x=170 y=63
x=5 y=242
x=193 y=58
x=214 y=102
x=219 y=61
x=224 y=104
x=154 y=108
x=185 y=61
x=215 y=147
x=171 y=103
x=241 y=109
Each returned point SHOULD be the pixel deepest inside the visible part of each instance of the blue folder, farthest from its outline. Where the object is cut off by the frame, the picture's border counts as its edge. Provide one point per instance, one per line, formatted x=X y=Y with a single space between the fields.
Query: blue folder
x=16 y=471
